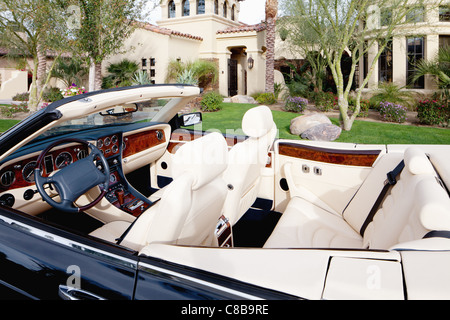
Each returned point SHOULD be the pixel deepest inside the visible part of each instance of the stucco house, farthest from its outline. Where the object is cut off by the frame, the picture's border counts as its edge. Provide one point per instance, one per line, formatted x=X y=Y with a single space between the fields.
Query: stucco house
x=210 y=29
x=202 y=29
x=410 y=44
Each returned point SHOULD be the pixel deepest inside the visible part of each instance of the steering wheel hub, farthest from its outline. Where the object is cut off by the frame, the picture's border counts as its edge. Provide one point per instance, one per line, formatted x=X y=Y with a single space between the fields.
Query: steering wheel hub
x=75 y=179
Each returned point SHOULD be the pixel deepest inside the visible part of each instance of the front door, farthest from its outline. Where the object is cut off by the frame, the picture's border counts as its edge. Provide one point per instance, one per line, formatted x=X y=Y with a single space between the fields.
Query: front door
x=232 y=77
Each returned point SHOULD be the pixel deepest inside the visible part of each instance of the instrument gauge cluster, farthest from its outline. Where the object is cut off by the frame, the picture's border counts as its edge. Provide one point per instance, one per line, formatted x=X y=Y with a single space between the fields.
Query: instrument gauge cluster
x=109 y=145
x=21 y=173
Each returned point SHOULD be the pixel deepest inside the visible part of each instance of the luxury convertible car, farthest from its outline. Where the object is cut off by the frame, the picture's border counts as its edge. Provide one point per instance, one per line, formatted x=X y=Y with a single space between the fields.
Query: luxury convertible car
x=111 y=195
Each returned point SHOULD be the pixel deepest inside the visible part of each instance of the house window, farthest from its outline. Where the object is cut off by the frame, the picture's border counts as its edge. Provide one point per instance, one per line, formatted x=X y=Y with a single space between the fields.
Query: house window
x=216 y=6
x=232 y=12
x=200 y=6
x=225 y=9
x=415 y=53
x=171 y=9
x=444 y=41
x=385 y=64
x=186 y=8
x=444 y=13
x=416 y=14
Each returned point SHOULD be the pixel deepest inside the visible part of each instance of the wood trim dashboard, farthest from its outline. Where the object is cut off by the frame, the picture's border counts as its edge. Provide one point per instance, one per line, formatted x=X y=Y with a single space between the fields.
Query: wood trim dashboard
x=361 y=158
x=21 y=173
x=141 y=141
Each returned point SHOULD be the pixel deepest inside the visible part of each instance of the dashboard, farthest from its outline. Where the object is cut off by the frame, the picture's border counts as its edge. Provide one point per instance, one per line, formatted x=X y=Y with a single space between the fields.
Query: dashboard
x=125 y=151
x=21 y=173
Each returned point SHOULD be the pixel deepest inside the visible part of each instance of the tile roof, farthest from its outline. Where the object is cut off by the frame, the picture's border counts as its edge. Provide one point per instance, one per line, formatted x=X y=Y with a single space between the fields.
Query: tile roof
x=244 y=28
x=166 y=31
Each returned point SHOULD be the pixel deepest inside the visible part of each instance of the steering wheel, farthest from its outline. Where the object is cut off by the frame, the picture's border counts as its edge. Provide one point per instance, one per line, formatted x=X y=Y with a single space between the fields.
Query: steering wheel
x=75 y=179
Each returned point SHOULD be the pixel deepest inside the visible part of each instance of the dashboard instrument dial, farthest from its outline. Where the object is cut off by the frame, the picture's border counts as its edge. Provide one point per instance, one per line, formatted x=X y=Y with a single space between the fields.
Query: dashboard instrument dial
x=28 y=171
x=63 y=160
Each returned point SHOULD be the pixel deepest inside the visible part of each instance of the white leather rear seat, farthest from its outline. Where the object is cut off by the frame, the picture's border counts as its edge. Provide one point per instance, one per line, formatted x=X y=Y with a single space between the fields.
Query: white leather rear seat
x=399 y=219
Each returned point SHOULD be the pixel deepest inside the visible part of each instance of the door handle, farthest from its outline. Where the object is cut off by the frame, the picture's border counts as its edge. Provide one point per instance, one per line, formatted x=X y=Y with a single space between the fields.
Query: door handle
x=70 y=293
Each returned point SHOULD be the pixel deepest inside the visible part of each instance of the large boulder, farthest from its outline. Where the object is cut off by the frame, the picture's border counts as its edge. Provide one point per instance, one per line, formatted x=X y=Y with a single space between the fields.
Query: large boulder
x=303 y=123
x=242 y=99
x=322 y=132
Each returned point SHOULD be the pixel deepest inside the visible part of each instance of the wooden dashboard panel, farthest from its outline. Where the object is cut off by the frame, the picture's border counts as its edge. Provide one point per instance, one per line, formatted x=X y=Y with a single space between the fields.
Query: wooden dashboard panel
x=361 y=158
x=142 y=141
x=21 y=173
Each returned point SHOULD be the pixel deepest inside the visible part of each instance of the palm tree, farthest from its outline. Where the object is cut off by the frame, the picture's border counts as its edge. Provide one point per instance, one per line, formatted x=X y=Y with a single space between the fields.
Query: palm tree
x=271 y=17
x=438 y=67
x=70 y=71
x=120 y=74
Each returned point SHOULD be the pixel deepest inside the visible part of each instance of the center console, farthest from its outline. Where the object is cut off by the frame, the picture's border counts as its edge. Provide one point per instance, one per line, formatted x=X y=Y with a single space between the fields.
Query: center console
x=120 y=193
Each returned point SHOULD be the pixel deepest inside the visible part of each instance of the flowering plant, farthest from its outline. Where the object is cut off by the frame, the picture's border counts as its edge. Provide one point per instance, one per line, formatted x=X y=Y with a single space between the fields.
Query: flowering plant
x=392 y=112
x=295 y=104
x=73 y=90
x=433 y=112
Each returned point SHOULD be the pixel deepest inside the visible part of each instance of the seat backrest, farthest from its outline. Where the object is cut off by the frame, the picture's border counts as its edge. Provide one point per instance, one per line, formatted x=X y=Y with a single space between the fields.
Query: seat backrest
x=246 y=160
x=192 y=204
x=406 y=197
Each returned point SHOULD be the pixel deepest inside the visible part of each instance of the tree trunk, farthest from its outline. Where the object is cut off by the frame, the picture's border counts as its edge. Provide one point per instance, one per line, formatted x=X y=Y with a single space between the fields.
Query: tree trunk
x=41 y=71
x=98 y=76
x=271 y=17
x=91 y=75
x=33 y=99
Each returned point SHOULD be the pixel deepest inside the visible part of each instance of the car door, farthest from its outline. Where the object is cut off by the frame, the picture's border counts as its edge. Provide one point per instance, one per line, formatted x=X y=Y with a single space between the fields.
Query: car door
x=40 y=261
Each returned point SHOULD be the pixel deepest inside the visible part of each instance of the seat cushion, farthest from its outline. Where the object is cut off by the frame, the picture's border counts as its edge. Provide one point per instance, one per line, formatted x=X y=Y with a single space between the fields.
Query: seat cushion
x=304 y=224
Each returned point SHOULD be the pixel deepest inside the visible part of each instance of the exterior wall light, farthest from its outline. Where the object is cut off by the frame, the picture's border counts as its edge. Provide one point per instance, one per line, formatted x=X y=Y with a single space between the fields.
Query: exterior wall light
x=250 y=62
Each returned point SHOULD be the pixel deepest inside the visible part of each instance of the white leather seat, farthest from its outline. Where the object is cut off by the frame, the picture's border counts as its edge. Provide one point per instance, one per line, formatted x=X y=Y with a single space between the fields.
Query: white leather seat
x=401 y=217
x=246 y=160
x=190 y=206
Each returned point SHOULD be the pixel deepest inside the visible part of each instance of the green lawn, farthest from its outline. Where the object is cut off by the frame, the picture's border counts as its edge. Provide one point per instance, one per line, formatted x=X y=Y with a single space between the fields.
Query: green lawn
x=229 y=118
x=5 y=124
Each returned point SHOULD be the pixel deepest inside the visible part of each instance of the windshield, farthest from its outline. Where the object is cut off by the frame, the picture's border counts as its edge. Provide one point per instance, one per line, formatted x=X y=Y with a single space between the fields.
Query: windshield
x=144 y=112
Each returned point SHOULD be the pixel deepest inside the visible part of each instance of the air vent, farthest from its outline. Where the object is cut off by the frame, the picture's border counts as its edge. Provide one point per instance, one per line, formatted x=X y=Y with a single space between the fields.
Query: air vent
x=7 y=178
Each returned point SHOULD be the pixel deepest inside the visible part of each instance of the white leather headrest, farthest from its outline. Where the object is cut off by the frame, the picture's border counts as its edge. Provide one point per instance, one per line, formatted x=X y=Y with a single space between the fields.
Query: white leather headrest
x=417 y=162
x=434 y=204
x=257 y=122
x=205 y=158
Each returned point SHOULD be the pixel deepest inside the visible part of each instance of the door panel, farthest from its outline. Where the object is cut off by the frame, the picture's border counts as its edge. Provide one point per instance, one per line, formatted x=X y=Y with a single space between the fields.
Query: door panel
x=331 y=174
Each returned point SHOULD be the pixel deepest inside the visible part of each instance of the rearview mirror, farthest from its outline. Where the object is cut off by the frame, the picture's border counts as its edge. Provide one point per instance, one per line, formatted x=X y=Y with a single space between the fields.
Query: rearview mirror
x=120 y=110
x=190 y=119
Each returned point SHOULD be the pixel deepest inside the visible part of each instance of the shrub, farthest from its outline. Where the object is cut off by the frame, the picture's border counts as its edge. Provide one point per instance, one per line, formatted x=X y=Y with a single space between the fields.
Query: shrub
x=392 y=112
x=73 y=90
x=324 y=101
x=266 y=98
x=364 y=106
x=211 y=101
x=295 y=104
x=9 y=111
x=433 y=112
x=390 y=92
x=21 y=96
x=52 y=95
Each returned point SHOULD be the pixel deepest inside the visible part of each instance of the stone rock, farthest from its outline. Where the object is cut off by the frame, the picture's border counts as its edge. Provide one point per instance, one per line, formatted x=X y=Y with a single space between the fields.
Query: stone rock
x=303 y=123
x=322 y=132
x=242 y=99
